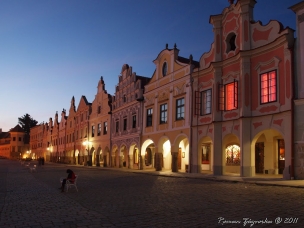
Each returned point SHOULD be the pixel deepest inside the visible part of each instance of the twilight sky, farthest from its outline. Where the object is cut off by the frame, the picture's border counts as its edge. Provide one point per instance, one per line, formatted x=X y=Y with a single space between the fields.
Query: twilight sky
x=52 y=50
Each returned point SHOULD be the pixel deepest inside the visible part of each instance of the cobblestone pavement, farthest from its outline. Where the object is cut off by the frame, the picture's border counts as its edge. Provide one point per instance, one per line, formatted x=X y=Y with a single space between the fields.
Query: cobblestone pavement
x=111 y=198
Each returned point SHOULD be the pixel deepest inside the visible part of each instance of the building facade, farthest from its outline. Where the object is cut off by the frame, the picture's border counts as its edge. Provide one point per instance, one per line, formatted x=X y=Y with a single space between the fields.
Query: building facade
x=243 y=97
x=126 y=117
x=167 y=117
x=100 y=123
x=13 y=144
x=236 y=111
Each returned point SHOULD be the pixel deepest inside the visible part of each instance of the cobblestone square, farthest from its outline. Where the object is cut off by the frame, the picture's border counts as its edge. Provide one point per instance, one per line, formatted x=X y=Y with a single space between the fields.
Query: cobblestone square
x=111 y=198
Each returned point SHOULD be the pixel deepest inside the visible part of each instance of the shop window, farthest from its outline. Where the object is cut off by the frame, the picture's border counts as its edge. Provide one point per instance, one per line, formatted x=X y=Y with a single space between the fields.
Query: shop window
x=228 y=96
x=281 y=149
x=233 y=155
x=180 y=109
x=149 y=117
x=148 y=157
x=268 y=87
x=206 y=149
x=206 y=102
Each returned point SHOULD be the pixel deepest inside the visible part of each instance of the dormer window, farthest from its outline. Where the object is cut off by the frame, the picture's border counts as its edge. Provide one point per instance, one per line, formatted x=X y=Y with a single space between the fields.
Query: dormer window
x=230 y=42
x=165 y=69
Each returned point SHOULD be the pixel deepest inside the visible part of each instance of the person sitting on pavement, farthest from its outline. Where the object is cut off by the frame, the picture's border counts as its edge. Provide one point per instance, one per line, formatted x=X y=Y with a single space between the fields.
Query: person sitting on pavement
x=71 y=177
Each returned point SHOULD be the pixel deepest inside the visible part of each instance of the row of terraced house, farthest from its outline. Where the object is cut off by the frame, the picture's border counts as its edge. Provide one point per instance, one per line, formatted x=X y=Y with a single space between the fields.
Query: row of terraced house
x=236 y=110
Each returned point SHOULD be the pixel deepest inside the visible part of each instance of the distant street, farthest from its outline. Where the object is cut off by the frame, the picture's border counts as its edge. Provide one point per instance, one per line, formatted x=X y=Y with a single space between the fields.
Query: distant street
x=110 y=198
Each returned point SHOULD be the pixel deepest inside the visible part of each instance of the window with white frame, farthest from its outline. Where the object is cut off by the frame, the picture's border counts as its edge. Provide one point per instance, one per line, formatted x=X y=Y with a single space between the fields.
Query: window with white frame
x=99 y=129
x=163 y=113
x=149 y=117
x=206 y=102
x=93 y=131
x=105 y=127
x=180 y=109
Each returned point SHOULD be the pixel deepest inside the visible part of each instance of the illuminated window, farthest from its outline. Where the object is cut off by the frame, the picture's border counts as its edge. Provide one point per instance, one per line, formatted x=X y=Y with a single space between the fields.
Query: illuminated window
x=206 y=102
x=233 y=155
x=180 y=111
x=163 y=113
x=149 y=117
x=268 y=87
x=228 y=96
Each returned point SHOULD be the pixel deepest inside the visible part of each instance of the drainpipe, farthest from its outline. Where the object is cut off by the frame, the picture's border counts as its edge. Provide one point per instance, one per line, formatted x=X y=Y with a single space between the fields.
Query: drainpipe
x=292 y=116
x=191 y=117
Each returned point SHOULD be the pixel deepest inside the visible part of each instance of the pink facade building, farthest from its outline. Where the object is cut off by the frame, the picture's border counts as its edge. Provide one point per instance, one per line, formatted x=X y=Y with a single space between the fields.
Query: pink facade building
x=243 y=97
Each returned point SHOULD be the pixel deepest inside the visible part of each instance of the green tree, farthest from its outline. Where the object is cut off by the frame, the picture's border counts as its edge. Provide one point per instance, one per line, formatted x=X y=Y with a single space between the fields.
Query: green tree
x=26 y=122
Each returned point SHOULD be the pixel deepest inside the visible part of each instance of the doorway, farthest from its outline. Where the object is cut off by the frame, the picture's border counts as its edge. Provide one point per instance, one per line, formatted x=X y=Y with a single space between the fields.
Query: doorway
x=179 y=158
x=281 y=155
x=259 y=157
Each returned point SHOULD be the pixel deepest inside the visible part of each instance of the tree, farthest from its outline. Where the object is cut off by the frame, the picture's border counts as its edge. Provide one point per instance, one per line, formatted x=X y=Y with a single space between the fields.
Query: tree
x=26 y=123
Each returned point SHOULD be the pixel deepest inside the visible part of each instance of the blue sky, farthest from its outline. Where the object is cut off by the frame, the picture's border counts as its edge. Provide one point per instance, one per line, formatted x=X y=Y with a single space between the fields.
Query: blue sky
x=53 y=50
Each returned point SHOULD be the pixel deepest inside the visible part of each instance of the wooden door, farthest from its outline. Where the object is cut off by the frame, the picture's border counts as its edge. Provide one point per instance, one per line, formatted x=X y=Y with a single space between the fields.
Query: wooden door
x=259 y=157
x=179 y=159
